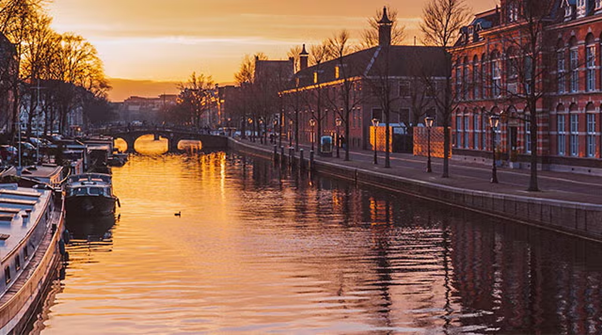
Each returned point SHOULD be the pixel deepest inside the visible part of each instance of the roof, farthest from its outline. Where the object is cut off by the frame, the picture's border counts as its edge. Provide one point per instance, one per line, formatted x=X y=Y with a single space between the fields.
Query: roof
x=406 y=61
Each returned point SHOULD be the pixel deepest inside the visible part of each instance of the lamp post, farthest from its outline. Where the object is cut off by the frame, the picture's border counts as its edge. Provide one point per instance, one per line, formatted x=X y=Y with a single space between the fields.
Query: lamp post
x=375 y=122
x=290 y=133
x=337 y=122
x=494 y=121
x=260 y=134
x=275 y=126
x=429 y=124
x=252 y=130
x=312 y=124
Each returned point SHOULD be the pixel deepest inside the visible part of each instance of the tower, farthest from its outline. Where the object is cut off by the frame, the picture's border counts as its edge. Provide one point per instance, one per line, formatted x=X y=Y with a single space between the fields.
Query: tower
x=384 y=29
x=303 y=57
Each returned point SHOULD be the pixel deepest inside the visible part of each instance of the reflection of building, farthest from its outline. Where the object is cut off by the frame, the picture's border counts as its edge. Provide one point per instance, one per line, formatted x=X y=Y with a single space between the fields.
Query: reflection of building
x=8 y=77
x=149 y=110
x=404 y=78
x=491 y=78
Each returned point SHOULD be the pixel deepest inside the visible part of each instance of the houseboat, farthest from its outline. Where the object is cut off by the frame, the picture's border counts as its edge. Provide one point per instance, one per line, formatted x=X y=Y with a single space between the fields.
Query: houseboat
x=90 y=194
x=31 y=250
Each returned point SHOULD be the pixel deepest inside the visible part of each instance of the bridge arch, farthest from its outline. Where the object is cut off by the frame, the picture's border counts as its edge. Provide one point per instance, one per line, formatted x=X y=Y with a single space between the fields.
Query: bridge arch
x=173 y=136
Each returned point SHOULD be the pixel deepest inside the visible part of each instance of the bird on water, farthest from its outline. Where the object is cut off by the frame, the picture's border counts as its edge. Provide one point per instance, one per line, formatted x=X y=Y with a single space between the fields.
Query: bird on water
x=179 y=213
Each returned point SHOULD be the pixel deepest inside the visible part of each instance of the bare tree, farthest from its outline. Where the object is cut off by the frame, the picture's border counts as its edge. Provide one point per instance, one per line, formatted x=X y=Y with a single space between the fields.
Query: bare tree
x=369 y=36
x=195 y=97
x=528 y=66
x=347 y=94
x=441 y=23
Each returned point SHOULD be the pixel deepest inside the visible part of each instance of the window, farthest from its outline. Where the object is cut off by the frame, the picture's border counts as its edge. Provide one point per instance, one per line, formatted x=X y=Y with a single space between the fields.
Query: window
x=337 y=72
x=574 y=59
x=590 y=74
x=484 y=131
x=496 y=77
x=459 y=81
x=574 y=134
x=528 y=74
x=315 y=77
x=465 y=80
x=404 y=89
x=512 y=12
x=475 y=78
x=459 y=131
x=527 y=137
x=561 y=71
x=561 y=134
x=475 y=130
x=591 y=135
x=18 y=263
x=466 y=133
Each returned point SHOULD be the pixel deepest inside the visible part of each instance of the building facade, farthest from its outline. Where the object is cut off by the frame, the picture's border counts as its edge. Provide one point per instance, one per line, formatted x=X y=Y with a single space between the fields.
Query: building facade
x=394 y=83
x=494 y=74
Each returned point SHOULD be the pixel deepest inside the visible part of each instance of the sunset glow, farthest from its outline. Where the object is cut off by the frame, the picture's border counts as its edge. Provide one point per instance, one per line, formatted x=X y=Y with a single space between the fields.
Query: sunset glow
x=166 y=41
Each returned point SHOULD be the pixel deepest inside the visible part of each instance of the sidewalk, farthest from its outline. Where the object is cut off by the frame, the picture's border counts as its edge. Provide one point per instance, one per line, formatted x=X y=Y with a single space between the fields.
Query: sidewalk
x=560 y=186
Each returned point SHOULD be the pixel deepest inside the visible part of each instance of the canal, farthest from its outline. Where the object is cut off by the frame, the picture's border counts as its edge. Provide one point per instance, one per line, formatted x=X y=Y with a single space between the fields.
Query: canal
x=258 y=249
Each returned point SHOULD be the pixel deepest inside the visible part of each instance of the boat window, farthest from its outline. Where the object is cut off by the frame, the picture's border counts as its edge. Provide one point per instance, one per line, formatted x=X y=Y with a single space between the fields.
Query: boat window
x=18 y=263
x=94 y=190
x=7 y=274
x=26 y=252
x=80 y=191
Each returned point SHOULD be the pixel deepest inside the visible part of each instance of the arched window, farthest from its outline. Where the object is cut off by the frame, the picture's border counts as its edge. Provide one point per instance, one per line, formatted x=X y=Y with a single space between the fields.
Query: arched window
x=484 y=81
x=459 y=80
x=590 y=111
x=590 y=63
x=528 y=141
x=560 y=66
x=476 y=131
x=465 y=78
x=466 y=129
x=498 y=130
x=484 y=122
x=561 y=127
x=574 y=130
x=458 y=129
x=496 y=75
x=574 y=65
x=475 y=77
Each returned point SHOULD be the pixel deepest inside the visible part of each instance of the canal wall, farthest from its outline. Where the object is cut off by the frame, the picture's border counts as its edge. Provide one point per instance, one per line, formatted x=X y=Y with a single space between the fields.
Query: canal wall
x=578 y=219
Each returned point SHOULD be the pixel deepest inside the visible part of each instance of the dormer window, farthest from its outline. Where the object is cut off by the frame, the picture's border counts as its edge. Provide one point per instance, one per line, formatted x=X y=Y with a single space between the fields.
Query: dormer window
x=568 y=12
x=512 y=12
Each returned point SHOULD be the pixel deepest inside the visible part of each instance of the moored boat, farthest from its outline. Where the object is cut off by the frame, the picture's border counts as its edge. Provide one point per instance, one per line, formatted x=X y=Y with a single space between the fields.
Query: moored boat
x=90 y=194
x=31 y=250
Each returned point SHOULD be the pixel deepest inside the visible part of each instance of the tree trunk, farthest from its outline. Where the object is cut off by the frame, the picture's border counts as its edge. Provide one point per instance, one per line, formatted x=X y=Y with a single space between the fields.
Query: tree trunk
x=533 y=187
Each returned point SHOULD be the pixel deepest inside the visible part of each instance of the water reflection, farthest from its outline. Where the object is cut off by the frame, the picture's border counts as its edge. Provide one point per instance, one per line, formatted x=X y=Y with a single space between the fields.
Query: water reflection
x=260 y=250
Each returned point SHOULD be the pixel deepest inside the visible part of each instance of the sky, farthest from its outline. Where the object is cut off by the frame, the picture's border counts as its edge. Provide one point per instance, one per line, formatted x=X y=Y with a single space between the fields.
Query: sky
x=165 y=41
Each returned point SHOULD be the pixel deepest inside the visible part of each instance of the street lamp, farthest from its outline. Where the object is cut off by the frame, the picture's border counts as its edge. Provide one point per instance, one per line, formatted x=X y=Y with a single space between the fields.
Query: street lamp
x=429 y=124
x=494 y=121
x=252 y=130
x=290 y=133
x=260 y=134
x=312 y=124
x=274 y=131
x=375 y=124
x=338 y=122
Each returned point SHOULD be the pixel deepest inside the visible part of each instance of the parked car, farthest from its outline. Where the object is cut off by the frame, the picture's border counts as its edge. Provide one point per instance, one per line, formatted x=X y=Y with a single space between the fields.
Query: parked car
x=27 y=149
x=8 y=152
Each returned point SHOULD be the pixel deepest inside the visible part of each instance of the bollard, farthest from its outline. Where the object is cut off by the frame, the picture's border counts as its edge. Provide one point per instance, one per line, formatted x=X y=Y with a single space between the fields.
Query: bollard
x=281 y=155
x=275 y=153
x=311 y=161
x=301 y=162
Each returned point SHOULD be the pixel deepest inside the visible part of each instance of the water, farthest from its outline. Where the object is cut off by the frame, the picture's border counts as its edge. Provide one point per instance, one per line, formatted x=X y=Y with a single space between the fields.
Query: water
x=257 y=250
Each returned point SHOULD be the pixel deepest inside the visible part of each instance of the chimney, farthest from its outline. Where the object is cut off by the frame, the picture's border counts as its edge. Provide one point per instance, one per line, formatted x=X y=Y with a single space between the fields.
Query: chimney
x=303 y=57
x=384 y=29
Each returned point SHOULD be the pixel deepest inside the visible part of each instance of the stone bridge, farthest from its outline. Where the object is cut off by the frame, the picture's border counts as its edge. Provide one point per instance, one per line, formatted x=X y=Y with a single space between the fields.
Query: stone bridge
x=174 y=136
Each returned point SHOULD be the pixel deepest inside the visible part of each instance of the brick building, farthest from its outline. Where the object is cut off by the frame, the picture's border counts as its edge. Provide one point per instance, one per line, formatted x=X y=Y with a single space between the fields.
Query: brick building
x=396 y=73
x=492 y=76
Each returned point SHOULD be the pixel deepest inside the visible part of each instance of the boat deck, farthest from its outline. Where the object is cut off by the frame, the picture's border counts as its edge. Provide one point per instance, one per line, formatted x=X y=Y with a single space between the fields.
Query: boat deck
x=20 y=209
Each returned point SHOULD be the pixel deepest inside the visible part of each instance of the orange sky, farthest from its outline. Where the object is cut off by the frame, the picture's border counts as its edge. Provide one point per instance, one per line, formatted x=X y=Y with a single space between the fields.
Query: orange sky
x=167 y=40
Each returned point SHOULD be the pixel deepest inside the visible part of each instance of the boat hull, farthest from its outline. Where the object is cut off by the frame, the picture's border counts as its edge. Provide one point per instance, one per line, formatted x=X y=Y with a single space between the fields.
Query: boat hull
x=89 y=205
